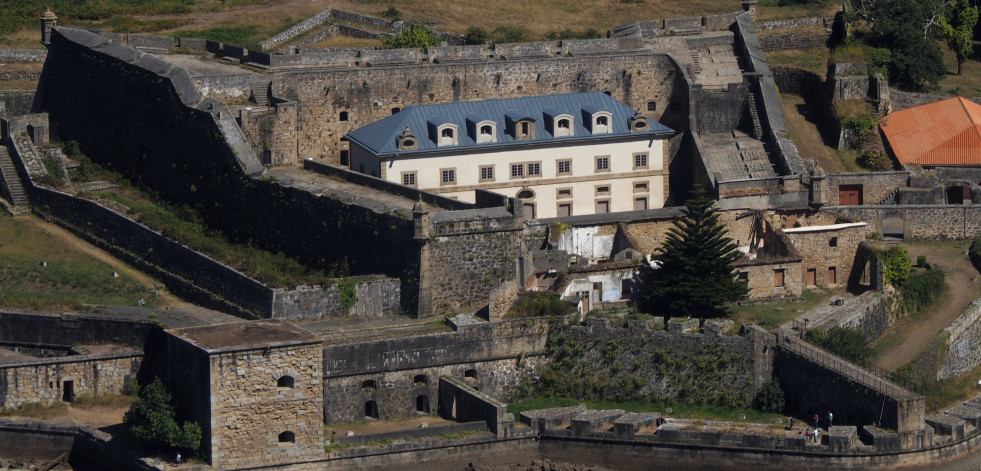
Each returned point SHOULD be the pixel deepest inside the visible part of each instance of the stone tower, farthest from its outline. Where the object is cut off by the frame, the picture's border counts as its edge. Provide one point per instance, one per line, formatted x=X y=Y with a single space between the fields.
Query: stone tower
x=48 y=20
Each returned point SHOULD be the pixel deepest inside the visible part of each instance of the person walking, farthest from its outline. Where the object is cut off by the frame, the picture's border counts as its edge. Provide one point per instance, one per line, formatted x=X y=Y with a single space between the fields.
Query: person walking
x=816 y=425
x=830 y=418
x=817 y=436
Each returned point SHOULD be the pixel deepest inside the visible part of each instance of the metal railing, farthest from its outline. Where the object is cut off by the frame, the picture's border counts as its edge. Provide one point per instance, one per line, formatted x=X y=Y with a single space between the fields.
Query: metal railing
x=868 y=375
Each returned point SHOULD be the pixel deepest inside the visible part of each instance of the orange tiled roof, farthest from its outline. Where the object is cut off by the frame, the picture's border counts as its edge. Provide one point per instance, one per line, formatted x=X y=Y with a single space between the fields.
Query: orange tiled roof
x=947 y=132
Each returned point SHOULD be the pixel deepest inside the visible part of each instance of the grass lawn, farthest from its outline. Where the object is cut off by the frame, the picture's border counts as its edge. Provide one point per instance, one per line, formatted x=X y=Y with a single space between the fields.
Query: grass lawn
x=813 y=59
x=967 y=84
x=68 y=279
x=770 y=316
x=679 y=411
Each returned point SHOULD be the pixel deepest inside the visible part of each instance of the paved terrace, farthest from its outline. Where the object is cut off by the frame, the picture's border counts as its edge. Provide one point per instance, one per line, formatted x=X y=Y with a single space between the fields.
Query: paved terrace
x=736 y=156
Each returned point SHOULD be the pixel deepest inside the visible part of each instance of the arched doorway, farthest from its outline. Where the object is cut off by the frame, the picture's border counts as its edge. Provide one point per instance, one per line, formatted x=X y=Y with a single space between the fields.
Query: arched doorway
x=527 y=203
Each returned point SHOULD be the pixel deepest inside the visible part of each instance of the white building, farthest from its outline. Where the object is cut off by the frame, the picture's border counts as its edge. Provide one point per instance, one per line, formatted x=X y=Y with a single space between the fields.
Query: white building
x=563 y=155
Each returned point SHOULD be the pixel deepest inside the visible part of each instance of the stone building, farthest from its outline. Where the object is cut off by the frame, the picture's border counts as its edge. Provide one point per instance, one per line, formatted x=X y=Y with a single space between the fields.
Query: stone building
x=256 y=389
x=563 y=155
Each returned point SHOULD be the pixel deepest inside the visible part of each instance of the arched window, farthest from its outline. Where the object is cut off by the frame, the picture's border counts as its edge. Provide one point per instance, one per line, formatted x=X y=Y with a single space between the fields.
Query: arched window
x=486 y=130
x=396 y=110
x=342 y=116
x=285 y=381
x=564 y=124
x=287 y=438
x=369 y=385
x=602 y=121
x=420 y=380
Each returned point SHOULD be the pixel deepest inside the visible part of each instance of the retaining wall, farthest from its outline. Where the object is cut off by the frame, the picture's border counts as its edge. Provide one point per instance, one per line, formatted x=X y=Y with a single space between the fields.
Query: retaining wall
x=41 y=381
x=961 y=340
x=919 y=222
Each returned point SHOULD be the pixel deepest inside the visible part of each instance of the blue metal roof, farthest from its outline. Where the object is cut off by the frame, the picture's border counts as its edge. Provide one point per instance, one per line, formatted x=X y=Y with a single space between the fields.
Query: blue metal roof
x=380 y=137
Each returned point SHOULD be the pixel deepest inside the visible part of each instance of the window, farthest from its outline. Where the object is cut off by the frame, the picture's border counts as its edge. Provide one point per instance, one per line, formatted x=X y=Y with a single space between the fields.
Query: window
x=486 y=130
x=486 y=173
x=640 y=203
x=535 y=169
x=409 y=179
x=369 y=385
x=525 y=130
x=563 y=193
x=284 y=382
x=602 y=121
x=517 y=170
x=396 y=110
x=420 y=380
x=743 y=276
x=287 y=438
x=565 y=209
x=603 y=190
x=602 y=207
x=833 y=242
x=563 y=167
x=603 y=164
x=563 y=124
x=447 y=176
x=652 y=106
x=342 y=116
x=778 y=278
x=470 y=374
x=640 y=160
x=640 y=187
x=446 y=137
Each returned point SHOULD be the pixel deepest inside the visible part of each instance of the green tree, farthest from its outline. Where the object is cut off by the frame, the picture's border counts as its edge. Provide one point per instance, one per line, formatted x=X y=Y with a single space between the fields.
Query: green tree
x=416 y=36
x=695 y=275
x=897 y=265
x=916 y=59
x=770 y=398
x=151 y=421
x=958 y=29
x=475 y=36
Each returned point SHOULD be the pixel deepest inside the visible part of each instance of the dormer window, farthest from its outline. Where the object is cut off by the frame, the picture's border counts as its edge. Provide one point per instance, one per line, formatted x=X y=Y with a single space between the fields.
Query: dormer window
x=442 y=132
x=407 y=140
x=601 y=124
x=446 y=137
x=526 y=129
x=486 y=132
x=561 y=125
x=638 y=123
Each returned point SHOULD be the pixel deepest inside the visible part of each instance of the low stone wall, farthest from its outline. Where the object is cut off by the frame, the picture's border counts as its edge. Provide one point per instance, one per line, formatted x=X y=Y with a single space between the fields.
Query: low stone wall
x=793 y=40
x=16 y=102
x=35 y=439
x=43 y=381
x=901 y=100
x=501 y=300
x=871 y=312
x=961 y=340
x=23 y=55
x=72 y=329
x=794 y=23
x=927 y=222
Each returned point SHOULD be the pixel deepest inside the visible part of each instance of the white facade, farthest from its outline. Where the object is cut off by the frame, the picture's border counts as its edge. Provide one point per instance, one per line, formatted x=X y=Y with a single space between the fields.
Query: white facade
x=590 y=185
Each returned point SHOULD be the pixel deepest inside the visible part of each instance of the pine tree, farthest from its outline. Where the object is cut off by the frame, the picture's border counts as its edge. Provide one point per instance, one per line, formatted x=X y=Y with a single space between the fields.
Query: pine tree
x=695 y=275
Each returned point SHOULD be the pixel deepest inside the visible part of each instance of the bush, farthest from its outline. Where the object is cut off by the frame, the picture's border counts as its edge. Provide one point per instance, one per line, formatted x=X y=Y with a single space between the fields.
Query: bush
x=897 y=265
x=392 y=13
x=848 y=343
x=151 y=421
x=922 y=290
x=510 y=34
x=921 y=261
x=770 y=398
x=475 y=36
x=540 y=304
x=417 y=36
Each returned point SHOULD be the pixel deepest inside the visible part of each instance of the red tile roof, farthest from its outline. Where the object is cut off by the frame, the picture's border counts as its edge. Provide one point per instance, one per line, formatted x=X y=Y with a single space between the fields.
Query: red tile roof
x=946 y=132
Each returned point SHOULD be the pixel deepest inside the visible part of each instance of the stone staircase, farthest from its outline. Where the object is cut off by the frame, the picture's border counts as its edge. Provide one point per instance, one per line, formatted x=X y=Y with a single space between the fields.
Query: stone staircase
x=890 y=199
x=696 y=60
x=260 y=90
x=8 y=174
x=754 y=114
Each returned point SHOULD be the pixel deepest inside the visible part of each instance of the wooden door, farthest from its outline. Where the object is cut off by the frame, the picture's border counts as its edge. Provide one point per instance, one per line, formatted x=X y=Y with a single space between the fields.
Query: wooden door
x=850 y=195
x=810 y=278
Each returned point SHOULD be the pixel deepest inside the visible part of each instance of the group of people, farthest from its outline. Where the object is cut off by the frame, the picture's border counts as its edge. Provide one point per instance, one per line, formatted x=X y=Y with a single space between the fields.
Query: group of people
x=816 y=432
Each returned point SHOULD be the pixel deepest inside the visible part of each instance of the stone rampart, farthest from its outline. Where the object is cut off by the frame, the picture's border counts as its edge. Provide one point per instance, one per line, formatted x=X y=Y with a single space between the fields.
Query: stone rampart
x=794 y=23
x=49 y=380
x=394 y=374
x=960 y=341
x=71 y=329
x=298 y=29
x=901 y=100
x=793 y=40
x=35 y=439
x=874 y=187
x=16 y=102
x=870 y=312
x=372 y=297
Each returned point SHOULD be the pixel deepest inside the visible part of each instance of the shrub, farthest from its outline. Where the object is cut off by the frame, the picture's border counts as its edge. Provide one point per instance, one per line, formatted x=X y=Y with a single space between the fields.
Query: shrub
x=475 y=36
x=897 y=265
x=417 y=36
x=770 y=398
x=922 y=290
x=392 y=13
x=540 y=304
x=510 y=34
x=151 y=421
x=921 y=260
x=848 y=343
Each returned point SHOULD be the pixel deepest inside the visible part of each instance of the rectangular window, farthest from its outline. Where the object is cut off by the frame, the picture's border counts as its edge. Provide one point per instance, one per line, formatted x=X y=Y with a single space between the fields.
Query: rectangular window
x=486 y=173
x=603 y=190
x=409 y=178
x=565 y=209
x=535 y=169
x=563 y=167
x=640 y=161
x=640 y=203
x=640 y=187
x=743 y=276
x=447 y=176
x=652 y=106
x=833 y=242
x=517 y=170
x=563 y=193
x=602 y=207
x=603 y=164
x=778 y=278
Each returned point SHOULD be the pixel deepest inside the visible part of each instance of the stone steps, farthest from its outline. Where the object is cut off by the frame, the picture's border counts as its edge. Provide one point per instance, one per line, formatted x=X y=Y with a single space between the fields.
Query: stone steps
x=260 y=90
x=754 y=114
x=8 y=172
x=696 y=60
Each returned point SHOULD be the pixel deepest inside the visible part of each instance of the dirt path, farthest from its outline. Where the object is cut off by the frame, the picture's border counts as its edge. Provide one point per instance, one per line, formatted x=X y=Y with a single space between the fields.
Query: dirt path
x=803 y=128
x=168 y=300
x=903 y=342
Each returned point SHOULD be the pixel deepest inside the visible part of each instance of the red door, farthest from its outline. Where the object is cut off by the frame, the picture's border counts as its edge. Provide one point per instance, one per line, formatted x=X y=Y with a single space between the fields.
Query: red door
x=850 y=195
